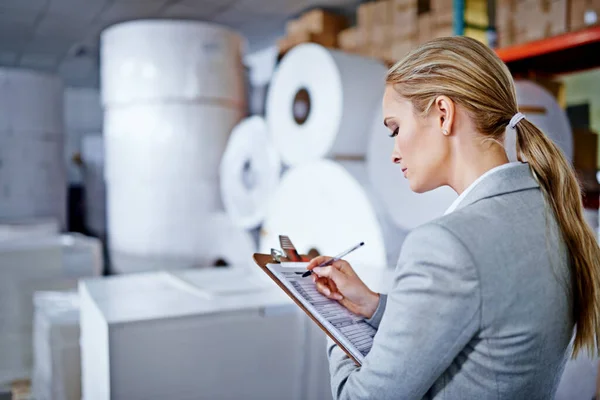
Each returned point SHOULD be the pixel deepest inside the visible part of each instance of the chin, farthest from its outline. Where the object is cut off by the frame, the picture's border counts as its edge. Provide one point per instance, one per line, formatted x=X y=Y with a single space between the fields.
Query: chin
x=419 y=187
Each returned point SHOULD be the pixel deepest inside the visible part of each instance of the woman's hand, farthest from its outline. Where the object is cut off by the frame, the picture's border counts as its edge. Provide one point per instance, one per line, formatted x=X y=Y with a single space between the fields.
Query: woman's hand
x=338 y=281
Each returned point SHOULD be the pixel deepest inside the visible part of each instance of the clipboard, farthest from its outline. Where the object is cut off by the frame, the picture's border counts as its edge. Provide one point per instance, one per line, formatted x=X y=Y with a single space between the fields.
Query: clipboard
x=262 y=260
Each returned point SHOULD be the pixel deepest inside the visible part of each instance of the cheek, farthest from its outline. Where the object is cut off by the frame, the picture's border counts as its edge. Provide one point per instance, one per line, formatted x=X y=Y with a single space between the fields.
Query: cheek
x=426 y=154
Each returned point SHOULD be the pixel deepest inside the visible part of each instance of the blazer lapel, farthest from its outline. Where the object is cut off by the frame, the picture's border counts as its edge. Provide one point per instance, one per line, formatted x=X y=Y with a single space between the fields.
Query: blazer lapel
x=508 y=180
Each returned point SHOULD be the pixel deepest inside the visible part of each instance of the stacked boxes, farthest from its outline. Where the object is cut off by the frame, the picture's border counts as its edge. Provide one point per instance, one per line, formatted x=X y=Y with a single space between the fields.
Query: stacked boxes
x=521 y=21
x=388 y=29
x=583 y=13
x=315 y=26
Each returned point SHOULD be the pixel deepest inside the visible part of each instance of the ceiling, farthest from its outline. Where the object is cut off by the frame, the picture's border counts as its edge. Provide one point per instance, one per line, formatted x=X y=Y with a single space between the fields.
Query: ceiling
x=63 y=35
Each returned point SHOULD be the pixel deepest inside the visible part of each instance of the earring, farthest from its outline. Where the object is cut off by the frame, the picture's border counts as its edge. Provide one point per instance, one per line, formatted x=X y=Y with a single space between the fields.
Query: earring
x=445 y=132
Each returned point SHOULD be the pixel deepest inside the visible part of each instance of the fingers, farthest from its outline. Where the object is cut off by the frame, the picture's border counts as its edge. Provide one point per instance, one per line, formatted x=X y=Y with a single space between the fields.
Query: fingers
x=317 y=260
x=324 y=287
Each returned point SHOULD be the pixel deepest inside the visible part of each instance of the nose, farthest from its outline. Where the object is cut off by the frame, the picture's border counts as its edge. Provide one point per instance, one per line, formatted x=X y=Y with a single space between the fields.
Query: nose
x=396 y=158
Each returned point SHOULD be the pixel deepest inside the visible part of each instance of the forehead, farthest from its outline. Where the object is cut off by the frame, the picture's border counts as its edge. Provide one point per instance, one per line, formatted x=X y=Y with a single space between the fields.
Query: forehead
x=393 y=103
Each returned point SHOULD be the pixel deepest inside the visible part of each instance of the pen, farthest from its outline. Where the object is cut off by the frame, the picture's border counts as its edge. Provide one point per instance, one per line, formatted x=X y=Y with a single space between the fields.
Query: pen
x=334 y=259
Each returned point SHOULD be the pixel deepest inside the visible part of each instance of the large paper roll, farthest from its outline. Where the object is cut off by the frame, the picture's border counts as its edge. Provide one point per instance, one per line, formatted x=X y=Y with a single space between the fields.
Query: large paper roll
x=320 y=103
x=541 y=108
x=32 y=176
x=30 y=102
x=197 y=241
x=323 y=205
x=160 y=59
x=250 y=171
x=406 y=208
x=167 y=142
x=28 y=228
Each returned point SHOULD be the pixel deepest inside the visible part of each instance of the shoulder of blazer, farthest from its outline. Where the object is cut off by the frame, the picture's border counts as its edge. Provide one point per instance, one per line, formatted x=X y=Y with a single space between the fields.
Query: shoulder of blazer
x=509 y=180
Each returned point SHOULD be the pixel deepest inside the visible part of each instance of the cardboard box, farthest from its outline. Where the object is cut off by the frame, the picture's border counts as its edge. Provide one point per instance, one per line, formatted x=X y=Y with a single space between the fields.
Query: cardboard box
x=583 y=13
x=505 y=22
x=349 y=39
x=443 y=31
x=286 y=43
x=381 y=34
x=585 y=146
x=404 y=18
x=538 y=19
x=444 y=6
x=382 y=12
x=443 y=18
x=294 y=27
x=364 y=15
x=320 y=21
x=400 y=48
x=425 y=28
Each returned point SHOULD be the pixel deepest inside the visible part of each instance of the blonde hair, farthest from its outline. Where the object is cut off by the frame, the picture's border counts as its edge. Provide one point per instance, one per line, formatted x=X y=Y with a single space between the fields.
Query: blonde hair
x=471 y=74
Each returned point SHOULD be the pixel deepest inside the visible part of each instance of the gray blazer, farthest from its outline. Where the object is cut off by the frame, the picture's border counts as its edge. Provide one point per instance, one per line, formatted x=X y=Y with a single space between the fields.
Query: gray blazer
x=479 y=308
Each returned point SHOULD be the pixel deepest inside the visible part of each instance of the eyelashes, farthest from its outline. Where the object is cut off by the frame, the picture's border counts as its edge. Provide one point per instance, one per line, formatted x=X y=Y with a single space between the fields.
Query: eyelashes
x=394 y=133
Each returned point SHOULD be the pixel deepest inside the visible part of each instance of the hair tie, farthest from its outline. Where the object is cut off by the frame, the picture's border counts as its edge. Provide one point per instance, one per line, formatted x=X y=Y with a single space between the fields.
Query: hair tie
x=515 y=120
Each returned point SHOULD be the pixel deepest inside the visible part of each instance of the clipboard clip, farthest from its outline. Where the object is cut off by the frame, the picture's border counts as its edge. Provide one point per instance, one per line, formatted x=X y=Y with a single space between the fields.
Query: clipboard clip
x=290 y=251
x=277 y=255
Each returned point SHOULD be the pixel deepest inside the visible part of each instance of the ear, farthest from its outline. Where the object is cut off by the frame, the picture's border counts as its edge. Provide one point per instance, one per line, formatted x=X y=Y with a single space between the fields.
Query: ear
x=444 y=108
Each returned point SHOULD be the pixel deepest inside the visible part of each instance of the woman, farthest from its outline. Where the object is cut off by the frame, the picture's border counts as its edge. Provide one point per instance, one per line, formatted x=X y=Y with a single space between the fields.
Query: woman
x=485 y=298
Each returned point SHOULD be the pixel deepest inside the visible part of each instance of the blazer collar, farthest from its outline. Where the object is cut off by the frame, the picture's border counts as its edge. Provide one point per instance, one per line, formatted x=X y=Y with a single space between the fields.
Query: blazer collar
x=513 y=179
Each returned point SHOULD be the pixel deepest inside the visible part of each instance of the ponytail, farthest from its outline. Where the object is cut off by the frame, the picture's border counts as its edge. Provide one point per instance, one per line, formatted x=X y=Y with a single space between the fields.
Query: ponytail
x=562 y=192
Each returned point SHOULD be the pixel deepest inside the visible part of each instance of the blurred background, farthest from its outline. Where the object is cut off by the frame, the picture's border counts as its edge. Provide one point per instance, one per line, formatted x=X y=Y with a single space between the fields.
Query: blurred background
x=149 y=147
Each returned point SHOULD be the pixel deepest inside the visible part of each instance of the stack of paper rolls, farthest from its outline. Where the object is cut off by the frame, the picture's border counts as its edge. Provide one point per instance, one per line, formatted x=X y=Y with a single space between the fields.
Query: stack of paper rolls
x=320 y=108
x=172 y=92
x=32 y=172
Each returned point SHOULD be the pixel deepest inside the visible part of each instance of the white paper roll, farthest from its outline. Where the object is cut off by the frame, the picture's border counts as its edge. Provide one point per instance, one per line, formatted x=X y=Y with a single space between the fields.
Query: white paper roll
x=198 y=241
x=32 y=176
x=250 y=171
x=28 y=228
x=92 y=153
x=167 y=142
x=160 y=59
x=542 y=109
x=30 y=102
x=406 y=208
x=320 y=103
x=322 y=205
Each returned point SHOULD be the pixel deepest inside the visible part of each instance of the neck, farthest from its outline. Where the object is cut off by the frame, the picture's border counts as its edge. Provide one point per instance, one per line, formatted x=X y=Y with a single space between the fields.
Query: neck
x=469 y=167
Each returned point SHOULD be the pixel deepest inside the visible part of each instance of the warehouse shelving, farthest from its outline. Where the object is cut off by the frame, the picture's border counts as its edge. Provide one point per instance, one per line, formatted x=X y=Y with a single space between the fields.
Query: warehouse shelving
x=569 y=52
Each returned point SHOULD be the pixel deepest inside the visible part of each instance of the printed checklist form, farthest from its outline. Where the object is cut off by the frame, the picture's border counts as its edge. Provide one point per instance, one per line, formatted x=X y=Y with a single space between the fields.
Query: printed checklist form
x=348 y=330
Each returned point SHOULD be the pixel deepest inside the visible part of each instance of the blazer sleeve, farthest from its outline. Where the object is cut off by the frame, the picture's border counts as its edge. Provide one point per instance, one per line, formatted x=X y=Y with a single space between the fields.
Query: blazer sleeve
x=375 y=319
x=432 y=311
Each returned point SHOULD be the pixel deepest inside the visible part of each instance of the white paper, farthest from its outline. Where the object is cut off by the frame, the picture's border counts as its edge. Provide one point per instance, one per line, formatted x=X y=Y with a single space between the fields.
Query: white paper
x=56 y=369
x=406 y=208
x=553 y=121
x=180 y=241
x=30 y=102
x=323 y=205
x=344 y=90
x=32 y=264
x=161 y=171
x=350 y=329
x=32 y=176
x=150 y=324
x=250 y=171
x=24 y=228
x=154 y=60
